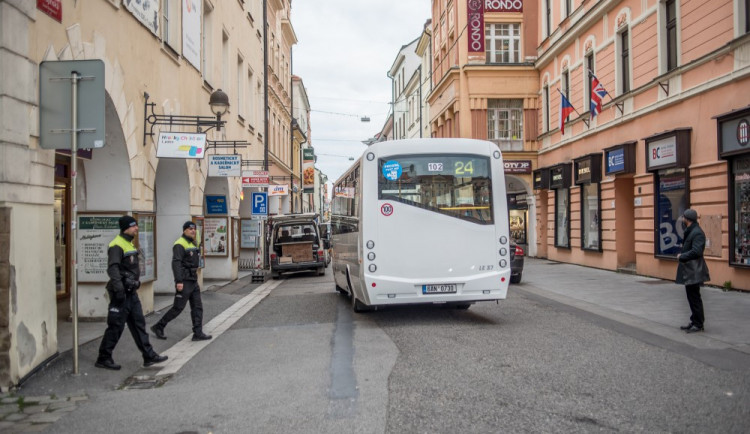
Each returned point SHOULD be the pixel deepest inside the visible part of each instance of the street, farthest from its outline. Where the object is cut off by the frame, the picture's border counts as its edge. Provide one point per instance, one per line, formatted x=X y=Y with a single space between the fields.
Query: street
x=301 y=361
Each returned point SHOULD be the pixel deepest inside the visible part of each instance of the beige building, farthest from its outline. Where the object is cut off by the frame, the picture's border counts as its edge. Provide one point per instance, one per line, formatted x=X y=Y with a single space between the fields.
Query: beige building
x=485 y=86
x=672 y=133
x=173 y=54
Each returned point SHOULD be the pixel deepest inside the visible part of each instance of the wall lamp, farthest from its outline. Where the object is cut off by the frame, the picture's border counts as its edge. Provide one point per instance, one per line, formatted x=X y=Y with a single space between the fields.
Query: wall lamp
x=219 y=103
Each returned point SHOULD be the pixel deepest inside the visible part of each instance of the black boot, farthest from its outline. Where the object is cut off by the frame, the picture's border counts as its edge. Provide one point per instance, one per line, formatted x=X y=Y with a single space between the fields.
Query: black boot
x=158 y=331
x=154 y=359
x=107 y=364
x=200 y=336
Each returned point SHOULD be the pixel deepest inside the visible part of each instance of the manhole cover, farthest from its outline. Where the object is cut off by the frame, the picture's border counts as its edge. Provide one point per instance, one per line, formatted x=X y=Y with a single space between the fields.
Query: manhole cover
x=144 y=382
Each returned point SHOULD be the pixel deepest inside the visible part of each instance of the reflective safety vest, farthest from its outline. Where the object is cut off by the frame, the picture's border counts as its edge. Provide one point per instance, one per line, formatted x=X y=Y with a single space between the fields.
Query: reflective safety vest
x=189 y=260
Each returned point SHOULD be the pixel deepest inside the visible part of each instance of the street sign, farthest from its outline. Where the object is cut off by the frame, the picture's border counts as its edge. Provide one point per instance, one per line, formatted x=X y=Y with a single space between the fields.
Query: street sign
x=224 y=165
x=56 y=102
x=255 y=178
x=260 y=204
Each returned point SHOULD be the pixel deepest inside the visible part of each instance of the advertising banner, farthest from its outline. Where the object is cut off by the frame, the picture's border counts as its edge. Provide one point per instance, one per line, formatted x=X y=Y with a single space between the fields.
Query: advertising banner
x=224 y=165
x=216 y=204
x=215 y=236
x=191 y=32
x=147 y=245
x=94 y=234
x=476 y=26
x=250 y=233
x=181 y=145
x=308 y=170
x=255 y=178
x=278 y=190
x=147 y=12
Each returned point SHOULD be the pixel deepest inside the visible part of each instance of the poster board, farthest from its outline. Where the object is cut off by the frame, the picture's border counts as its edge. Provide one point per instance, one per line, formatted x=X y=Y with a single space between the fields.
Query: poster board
x=146 y=244
x=711 y=225
x=215 y=236
x=95 y=231
x=250 y=231
x=235 y=237
x=198 y=220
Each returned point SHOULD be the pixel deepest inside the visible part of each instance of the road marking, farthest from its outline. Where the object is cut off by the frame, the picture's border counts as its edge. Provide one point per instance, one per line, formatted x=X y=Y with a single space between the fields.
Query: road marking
x=181 y=352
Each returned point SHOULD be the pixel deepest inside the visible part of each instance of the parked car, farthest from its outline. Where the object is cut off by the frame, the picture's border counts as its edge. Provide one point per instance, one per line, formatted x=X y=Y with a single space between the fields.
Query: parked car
x=516 y=263
x=296 y=245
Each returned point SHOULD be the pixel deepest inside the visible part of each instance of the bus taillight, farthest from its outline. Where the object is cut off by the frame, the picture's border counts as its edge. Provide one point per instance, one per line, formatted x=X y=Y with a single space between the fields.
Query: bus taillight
x=273 y=257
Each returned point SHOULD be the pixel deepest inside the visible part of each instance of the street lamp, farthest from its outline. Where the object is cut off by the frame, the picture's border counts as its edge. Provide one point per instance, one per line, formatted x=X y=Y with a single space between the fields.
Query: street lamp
x=219 y=103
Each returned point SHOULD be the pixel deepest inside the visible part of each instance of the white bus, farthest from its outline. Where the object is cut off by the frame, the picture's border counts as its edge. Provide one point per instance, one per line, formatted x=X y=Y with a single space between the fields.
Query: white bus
x=422 y=221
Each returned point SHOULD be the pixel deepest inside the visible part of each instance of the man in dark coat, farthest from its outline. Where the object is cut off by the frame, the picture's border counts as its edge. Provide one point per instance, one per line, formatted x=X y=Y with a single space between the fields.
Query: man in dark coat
x=124 y=304
x=185 y=263
x=692 y=270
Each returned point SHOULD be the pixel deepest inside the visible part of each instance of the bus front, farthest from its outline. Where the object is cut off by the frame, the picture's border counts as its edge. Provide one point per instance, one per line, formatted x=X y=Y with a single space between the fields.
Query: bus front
x=438 y=229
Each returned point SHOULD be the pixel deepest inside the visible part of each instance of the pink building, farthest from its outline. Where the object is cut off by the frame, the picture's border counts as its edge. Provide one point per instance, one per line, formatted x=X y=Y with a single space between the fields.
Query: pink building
x=672 y=133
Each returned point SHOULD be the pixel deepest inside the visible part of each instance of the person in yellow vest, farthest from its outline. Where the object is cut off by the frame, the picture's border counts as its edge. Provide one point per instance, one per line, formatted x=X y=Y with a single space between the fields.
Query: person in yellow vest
x=124 y=304
x=185 y=263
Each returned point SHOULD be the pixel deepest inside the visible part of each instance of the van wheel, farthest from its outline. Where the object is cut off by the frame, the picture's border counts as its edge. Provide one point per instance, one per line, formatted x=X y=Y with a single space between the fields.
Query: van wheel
x=321 y=271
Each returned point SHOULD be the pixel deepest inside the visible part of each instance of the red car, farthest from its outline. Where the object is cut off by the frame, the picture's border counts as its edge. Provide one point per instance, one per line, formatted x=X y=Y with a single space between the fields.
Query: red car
x=516 y=263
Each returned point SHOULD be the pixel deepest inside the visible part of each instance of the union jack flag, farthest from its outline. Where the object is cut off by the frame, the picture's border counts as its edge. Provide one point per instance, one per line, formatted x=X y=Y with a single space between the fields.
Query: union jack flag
x=597 y=95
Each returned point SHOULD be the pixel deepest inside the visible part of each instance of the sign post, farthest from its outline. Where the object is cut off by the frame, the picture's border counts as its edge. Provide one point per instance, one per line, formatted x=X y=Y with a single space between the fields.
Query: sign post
x=53 y=127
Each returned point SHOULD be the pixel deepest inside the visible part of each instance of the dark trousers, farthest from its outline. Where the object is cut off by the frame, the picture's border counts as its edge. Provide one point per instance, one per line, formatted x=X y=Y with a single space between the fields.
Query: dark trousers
x=696 y=304
x=191 y=292
x=127 y=312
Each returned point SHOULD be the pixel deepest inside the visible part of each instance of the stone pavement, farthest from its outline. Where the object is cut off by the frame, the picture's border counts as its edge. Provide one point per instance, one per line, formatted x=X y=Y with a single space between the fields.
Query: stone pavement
x=647 y=308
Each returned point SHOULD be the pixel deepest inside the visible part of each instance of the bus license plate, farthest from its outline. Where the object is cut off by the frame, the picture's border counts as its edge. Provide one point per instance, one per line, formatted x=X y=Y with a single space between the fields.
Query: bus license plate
x=439 y=289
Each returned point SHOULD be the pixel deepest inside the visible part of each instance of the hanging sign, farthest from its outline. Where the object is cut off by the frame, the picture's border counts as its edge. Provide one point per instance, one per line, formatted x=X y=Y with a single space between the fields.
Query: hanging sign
x=308 y=170
x=191 y=32
x=147 y=12
x=216 y=205
x=255 y=178
x=476 y=26
x=224 y=165
x=181 y=145
x=278 y=190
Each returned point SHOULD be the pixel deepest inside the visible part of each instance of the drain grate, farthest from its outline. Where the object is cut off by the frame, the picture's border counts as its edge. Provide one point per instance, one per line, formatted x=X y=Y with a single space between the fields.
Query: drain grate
x=137 y=382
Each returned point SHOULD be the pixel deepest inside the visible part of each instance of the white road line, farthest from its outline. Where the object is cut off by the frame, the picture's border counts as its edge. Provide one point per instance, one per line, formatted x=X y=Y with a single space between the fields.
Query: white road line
x=181 y=352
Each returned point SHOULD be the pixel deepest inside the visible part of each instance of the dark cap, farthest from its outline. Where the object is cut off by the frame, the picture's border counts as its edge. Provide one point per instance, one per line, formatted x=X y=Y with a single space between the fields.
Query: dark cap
x=690 y=214
x=126 y=222
x=188 y=225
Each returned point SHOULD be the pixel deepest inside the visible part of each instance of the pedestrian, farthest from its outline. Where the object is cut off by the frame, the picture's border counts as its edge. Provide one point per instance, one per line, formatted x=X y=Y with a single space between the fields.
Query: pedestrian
x=124 y=304
x=185 y=262
x=692 y=270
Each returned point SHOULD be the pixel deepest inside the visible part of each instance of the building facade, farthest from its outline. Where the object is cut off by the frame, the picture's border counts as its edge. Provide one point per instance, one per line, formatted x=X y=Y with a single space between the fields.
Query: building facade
x=176 y=56
x=658 y=124
x=485 y=86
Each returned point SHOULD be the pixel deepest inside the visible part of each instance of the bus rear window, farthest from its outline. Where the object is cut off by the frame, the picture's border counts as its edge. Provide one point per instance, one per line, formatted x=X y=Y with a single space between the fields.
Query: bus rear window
x=455 y=185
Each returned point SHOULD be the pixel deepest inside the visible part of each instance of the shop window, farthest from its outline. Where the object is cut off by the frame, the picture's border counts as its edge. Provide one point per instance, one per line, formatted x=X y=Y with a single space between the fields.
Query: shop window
x=741 y=191
x=590 y=217
x=503 y=43
x=672 y=201
x=562 y=217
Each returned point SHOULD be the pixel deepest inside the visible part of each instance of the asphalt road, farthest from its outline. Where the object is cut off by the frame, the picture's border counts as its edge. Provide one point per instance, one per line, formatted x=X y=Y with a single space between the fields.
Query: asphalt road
x=302 y=362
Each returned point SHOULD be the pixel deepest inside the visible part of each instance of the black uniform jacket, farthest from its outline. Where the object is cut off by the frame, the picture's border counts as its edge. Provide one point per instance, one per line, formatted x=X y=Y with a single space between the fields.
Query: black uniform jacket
x=185 y=260
x=692 y=269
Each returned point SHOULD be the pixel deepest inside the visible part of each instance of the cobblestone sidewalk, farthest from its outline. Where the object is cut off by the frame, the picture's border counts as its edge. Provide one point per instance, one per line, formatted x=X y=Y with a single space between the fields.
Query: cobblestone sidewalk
x=34 y=413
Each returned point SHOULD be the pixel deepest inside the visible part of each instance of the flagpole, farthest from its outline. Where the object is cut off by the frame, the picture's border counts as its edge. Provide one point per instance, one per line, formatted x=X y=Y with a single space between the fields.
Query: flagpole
x=571 y=104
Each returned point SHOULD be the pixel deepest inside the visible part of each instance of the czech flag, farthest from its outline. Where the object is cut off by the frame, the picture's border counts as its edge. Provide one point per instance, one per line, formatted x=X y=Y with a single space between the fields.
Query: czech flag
x=597 y=95
x=566 y=108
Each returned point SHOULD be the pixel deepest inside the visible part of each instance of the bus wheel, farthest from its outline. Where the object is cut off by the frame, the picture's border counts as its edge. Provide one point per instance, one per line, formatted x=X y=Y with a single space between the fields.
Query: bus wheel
x=463 y=306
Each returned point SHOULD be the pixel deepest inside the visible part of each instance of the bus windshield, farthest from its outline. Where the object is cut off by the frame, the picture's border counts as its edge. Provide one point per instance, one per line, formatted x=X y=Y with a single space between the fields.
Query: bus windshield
x=454 y=185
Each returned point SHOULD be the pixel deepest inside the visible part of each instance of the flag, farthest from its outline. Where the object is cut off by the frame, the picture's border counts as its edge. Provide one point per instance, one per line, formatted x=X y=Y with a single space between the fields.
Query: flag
x=597 y=95
x=566 y=108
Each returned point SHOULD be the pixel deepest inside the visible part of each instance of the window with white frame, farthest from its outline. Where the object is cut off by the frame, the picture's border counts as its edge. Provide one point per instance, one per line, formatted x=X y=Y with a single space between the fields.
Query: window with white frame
x=207 y=46
x=545 y=108
x=503 y=43
x=622 y=42
x=589 y=65
x=565 y=83
x=240 y=87
x=225 y=61
x=669 y=22
x=567 y=8
x=547 y=18
x=250 y=113
x=505 y=123
x=171 y=24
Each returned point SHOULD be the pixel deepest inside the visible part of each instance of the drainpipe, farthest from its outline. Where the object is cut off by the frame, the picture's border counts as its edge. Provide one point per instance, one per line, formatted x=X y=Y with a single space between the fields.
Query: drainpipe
x=265 y=84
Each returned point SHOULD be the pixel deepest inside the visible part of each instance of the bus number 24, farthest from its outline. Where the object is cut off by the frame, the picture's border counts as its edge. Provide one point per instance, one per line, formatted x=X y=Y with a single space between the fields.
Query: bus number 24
x=464 y=168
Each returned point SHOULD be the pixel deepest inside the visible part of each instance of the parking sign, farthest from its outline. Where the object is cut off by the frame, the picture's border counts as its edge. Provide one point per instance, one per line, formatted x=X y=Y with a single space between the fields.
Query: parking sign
x=260 y=201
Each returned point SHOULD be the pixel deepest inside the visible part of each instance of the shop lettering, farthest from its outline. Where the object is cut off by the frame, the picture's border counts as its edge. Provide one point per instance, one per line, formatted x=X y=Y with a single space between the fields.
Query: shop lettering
x=584 y=170
x=476 y=26
x=557 y=177
x=504 y=5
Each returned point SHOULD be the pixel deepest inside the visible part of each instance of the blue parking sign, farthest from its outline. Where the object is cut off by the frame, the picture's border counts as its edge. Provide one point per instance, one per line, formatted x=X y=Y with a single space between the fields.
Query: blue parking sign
x=260 y=201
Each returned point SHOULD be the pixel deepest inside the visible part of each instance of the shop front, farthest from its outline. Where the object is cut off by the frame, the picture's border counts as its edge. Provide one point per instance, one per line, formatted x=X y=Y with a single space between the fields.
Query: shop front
x=588 y=176
x=559 y=183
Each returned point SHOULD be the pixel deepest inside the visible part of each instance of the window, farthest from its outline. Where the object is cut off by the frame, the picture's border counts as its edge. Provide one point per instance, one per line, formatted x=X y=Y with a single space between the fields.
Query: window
x=740 y=236
x=747 y=16
x=240 y=87
x=624 y=64
x=503 y=43
x=207 y=42
x=672 y=201
x=587 y=87
x=562 y=217
x=671 y=33
x=505 y=123
x=568 y=8
x=548 y=17
x=250 y=98
x=590 y=217
x=455 y=185
x=171 y=24
x=545 y=108
x=565 y=79
x=225 y=61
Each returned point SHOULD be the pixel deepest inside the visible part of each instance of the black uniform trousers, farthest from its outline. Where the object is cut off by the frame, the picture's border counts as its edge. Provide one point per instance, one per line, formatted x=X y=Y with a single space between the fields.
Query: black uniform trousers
x=696 y=304
x=191 y=292
x=127 y=312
